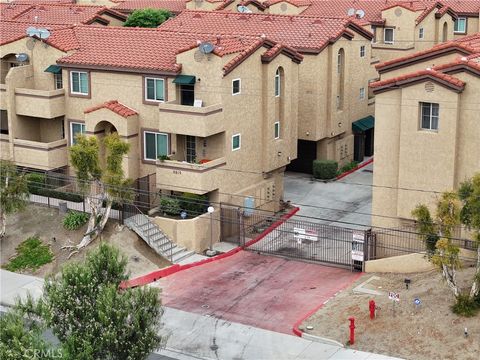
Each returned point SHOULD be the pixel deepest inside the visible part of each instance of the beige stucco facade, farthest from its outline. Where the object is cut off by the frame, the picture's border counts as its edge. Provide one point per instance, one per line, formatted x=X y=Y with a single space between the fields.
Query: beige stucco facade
x=413 y=165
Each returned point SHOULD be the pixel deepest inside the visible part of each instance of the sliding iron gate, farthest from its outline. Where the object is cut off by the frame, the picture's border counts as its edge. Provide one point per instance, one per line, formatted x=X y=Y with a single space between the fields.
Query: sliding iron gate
x=316 y=242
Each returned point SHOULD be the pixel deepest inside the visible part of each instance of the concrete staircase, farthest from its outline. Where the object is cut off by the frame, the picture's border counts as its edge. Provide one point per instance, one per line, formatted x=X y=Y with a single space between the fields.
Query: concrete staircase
x=156 y=239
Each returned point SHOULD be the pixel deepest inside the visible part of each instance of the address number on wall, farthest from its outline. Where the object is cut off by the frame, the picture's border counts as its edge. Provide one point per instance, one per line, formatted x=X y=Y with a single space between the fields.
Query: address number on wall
x=177 y=171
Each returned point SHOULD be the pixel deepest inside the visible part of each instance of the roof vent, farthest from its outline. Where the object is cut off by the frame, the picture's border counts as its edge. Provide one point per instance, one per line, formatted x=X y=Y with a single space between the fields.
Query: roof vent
x=268 y=18
x=197 y=16
x=398 y=12
x=284 y=7
x=429 y=86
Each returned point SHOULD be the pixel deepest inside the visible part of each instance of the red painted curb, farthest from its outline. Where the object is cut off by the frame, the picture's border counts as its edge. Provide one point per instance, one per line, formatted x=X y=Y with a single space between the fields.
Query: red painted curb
x=158 y=274
x=295 y=328
x=355 y=169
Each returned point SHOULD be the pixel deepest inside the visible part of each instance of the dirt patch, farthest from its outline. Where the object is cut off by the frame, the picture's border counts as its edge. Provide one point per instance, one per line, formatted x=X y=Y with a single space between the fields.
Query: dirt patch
x=46 y=223
x=429 y=331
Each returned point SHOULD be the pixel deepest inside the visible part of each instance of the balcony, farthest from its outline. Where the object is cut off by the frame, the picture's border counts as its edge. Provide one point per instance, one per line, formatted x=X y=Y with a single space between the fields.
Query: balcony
x=190 y=120
x=3 y=97
x=187 y=177
x=47 y=104
x=40 y=155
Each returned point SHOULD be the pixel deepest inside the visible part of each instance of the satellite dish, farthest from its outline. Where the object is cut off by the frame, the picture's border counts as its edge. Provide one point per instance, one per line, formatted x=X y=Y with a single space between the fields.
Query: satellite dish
x=44 y=34
x=32 y=31
x=22 y=57
x=206 y=47
x=360 y=14
x=243 y=9
x=351 y=12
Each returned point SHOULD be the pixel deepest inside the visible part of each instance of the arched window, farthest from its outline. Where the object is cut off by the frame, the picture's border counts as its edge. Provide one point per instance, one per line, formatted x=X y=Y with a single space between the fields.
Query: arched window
x=341 y=78
x=278 y=82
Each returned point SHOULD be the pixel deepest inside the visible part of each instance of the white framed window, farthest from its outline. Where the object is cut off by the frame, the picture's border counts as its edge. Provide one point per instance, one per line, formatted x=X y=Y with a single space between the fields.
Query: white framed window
x=236 y=142
x=57 y=77
x=236 y=86
x=421 y=33
x=154 y=145
x=388 y=35
x=276 y=130
x=460 y=26
x=362 y=51
x=75 y=129
x=429 y=115
x=277 y=83
x=154 y=89
x=362 y=93
x=79 y=82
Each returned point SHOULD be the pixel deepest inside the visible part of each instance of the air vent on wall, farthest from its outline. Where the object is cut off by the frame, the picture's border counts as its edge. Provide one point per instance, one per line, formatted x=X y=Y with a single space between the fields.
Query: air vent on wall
x=429 y=86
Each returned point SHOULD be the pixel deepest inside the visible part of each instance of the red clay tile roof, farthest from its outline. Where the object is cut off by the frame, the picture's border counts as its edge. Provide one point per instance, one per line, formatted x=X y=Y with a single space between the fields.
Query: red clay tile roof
x=464 y=7
x=304 y=34
x=174 y=6
x=61 y=35
x=144 y=49
x=10 y=11
x=428 y=74
x=467 y=44
x=63 y=14
x=115 y=106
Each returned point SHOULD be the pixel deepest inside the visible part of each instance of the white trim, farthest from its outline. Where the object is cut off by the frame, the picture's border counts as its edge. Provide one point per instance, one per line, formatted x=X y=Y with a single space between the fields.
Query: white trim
x=274 y=128
x=79 y=85
x=362 y=93
x=239 y=141
x=155 y=89
x=431 y=116
x=457 y=31
x=71 y=130
x=239 y=86
x=393 y=35
x=145 y=143
x=277 y=76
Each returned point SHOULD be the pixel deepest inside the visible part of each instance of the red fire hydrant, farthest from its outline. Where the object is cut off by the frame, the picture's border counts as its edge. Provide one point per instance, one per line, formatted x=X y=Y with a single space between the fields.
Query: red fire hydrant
x=371 y=305
x=352 y=330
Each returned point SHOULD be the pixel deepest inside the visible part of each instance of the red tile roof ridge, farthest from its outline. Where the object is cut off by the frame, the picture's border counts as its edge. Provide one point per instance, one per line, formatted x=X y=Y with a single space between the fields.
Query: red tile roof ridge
x=458 y=43
x=115 y=106
x=462 y=61
x=427 y=73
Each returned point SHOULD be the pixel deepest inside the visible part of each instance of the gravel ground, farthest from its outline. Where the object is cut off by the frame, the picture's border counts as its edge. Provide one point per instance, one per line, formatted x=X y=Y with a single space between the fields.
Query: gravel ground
x=430 y=331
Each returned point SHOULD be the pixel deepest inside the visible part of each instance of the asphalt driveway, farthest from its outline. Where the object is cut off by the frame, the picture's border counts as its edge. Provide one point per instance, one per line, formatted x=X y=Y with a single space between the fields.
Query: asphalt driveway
x=348 y=200
x=267 y=292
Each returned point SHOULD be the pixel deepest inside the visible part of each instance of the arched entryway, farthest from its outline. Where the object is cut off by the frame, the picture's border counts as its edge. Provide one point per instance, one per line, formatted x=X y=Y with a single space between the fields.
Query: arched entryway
x=102 y=129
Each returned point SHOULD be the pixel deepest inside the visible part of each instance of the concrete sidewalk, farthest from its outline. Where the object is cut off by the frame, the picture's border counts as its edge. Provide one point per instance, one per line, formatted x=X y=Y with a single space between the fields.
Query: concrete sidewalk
x=193 y=336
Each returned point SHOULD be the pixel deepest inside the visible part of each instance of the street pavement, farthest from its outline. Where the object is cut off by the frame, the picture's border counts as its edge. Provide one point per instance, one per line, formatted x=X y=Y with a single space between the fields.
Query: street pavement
x=333 y=203
x=194 y=336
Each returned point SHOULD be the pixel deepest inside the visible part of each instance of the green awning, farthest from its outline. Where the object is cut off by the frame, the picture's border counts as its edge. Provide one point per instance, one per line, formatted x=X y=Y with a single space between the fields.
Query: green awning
x=54 y=69
x=184 y=80
x=364 y=124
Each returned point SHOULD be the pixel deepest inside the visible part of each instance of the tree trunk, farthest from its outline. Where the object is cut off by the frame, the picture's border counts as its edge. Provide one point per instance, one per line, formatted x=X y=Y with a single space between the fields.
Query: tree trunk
x=450 y=278
x=3 y=220
x=476 y=280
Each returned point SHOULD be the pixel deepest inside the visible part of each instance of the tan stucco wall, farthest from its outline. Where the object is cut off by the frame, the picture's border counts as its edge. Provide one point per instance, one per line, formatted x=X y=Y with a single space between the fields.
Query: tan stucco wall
x=194 y=234
x=403 y=264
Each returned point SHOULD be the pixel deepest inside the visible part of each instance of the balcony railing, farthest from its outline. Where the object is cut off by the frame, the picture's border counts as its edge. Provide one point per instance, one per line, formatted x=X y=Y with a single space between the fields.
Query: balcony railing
x=188 y=177
x=46 y=104
x=40 y=155
x=190 y=120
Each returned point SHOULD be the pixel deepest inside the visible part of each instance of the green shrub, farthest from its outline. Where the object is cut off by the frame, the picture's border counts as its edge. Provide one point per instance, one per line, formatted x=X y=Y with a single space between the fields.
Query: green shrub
x=465 y=306
x=35 y=182
x=170 y=206
x=194 y=204
x=324 y=169
x=31 y=254
x=347 y=167
x=75 y=220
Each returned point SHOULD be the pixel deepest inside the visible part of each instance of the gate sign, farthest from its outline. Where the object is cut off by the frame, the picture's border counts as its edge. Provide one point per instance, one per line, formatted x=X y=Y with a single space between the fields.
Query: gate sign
x=394 y=296
x=300 y=234
x=357 y=245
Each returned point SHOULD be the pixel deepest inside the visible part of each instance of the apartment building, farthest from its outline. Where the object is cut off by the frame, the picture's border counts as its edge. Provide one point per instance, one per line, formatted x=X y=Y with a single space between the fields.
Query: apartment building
x=61 y=14
x=223 y=120
x=427 y=127
x=334 y=75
